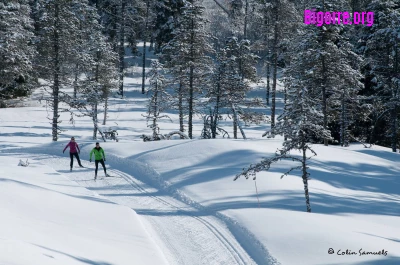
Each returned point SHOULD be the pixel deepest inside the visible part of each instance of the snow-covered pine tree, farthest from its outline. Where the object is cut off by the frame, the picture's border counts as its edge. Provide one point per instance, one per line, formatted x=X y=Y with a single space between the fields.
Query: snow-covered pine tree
x=187 y=56
x=310 y=59
x=16 y=48
x=231 y=82
x=98 y=72
x=382 y=52
x=167 y=13
x=66 y=27
x=149 y=5
x=216 y=92
x=121 y=21
x=100 y=79
x=241 y=15
x=175 y=69
x=159 y=99
x=346 y=106
x=300 y=123
x=279 y=21
x=57 y=35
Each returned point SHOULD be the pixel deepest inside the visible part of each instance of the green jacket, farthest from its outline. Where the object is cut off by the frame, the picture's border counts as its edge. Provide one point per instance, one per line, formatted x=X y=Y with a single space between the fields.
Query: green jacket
x=98 y=154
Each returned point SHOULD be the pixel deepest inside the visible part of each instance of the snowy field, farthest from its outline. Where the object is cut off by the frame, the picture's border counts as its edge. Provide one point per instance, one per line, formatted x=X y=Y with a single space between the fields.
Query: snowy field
x=175 y=202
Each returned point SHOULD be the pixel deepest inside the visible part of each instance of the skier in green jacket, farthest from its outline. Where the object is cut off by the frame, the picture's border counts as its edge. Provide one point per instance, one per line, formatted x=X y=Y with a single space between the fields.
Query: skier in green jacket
x=99 y=157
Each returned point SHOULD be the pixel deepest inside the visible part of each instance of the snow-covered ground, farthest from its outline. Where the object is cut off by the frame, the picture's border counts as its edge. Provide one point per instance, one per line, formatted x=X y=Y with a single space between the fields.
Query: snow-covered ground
x=175 y=202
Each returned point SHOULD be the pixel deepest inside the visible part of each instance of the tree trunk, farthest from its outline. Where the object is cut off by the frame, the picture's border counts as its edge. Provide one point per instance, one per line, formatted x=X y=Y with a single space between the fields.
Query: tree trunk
x=236 y=123
x=95 y=103
x=122 y=49
x=396 y=96
x=144 y=47
x=56 y=81
x=305 y=175
x=144 y=66
x=105 y=109
x=216 y=108
x=190 y=123
x=342 y=121
x=394 y=128
x=191 y=77
x=155 y=110
x=266 y=22
x=180 y=107
x=94 y=119
x=215 y=118
x=324 y=83
x=76 y=80
x=284 y=107
x=241 y=129
x=245 y=19
x=151 y=45
x=275 y=70
x=268 y=77
x=113 y=33
x=324 y=98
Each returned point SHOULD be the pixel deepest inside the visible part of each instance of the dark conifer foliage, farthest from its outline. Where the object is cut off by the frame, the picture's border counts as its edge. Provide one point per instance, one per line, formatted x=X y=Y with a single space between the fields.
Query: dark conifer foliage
x=167 y=13
x=16 y=49
x=187 y=56
x=382 y=72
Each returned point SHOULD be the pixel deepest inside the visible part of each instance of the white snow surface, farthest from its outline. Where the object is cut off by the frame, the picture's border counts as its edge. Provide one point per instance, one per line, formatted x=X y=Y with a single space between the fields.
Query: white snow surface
x=175 y=201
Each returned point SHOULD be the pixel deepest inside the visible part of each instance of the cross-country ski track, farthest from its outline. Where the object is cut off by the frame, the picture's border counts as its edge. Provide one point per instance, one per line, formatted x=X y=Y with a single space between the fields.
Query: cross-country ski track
x=186 y=232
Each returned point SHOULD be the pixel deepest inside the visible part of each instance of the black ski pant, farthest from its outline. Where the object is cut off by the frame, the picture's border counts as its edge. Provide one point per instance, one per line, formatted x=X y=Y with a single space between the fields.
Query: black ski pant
x=71 y=155
x=101 y=161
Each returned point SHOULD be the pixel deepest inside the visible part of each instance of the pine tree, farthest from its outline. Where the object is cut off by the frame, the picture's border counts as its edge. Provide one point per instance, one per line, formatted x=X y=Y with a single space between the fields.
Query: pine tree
x=101 y=78
x=160 y=99
x=300 y=123
x=16 y=48
x=333 y=85
x=148 y=25
x=167 y=13
x=97 y=71
x=382 y=51
x=187 y=55
x=122 y=22
x=66 y=29
x=234 y=72
x=175 y=68
x=56 y=39
x=279 y=22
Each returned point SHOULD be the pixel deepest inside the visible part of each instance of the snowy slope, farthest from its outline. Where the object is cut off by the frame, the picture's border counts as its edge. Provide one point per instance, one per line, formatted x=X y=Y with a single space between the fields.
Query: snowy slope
x=48 y=219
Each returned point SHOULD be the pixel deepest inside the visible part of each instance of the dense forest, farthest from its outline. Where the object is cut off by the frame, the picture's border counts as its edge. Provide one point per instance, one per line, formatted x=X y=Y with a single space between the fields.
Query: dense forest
x=341 y=80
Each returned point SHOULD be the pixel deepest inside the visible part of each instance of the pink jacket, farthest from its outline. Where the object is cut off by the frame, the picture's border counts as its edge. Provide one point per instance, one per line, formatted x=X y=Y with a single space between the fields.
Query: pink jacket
x=72 y=147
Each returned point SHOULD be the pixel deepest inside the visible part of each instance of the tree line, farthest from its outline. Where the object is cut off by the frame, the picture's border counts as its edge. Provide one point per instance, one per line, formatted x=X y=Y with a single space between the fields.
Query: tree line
x=210 y=52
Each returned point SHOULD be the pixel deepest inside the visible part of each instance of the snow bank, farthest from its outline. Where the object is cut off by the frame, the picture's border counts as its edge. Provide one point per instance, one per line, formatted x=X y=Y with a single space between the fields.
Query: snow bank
x=47 y=219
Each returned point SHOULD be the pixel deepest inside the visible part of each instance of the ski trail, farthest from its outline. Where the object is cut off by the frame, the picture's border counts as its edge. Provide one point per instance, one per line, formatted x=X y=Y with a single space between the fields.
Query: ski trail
x=186 y=233
x=215 y=229
x=195 y=232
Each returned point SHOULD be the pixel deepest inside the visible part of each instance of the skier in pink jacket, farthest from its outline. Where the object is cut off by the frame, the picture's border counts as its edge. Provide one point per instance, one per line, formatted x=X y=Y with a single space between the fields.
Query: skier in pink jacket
x=73 y=151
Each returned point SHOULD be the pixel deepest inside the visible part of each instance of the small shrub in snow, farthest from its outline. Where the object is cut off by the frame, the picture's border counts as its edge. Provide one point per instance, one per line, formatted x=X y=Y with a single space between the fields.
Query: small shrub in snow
x=148 y=138
x=23 y=164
